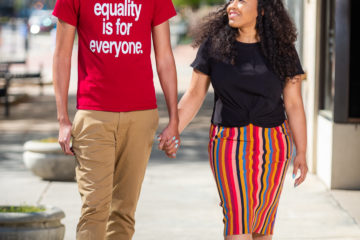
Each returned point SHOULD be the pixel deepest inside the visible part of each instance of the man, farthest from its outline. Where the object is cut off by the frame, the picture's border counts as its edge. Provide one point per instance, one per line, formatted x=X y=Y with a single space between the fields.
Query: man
x=114 y=127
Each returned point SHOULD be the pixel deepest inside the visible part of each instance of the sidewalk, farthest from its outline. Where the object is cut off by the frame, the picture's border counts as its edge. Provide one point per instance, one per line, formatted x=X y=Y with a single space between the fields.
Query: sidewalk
x=179 y=199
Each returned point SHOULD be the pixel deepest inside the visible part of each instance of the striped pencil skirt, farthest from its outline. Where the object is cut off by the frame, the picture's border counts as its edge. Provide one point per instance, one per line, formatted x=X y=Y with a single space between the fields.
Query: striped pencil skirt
x=249 y=165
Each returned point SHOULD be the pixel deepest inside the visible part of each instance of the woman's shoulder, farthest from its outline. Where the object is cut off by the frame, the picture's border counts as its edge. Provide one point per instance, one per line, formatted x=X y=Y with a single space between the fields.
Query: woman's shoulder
x=205 y=44
x=204 y=48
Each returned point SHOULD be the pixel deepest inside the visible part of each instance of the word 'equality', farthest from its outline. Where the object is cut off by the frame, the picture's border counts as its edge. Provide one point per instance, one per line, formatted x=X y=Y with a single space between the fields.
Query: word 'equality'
x=126 y=9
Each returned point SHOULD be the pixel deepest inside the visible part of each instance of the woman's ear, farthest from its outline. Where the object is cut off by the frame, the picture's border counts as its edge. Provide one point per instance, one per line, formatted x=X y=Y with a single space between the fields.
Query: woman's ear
x=262 y=12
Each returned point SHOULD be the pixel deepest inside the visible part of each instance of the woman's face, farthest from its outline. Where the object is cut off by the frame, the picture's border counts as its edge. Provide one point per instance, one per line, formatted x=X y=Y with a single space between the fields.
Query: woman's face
x=242 y=13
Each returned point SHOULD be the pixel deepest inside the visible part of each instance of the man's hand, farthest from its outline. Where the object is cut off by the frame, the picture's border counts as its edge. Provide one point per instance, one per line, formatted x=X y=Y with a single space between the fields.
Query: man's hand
x=169 y=140
x=64 y=137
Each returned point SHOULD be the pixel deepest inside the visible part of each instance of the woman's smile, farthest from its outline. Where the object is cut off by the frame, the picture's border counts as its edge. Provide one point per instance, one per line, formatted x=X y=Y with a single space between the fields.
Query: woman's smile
x=233 y=14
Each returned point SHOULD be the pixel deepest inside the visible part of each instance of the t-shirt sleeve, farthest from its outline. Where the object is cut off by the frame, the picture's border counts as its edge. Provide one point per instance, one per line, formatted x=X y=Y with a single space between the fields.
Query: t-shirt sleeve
x=299 y=69
x=202 y=59
x=163 y=11
x=67 y=10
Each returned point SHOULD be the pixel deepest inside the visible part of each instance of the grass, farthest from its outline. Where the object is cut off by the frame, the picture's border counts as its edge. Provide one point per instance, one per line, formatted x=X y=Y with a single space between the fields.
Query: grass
x=185 y=40
x=49 y=140
x=21 y=209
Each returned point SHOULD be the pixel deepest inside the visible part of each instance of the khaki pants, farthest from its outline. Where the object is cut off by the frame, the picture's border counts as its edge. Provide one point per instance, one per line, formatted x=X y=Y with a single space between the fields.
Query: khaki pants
x=112 y=150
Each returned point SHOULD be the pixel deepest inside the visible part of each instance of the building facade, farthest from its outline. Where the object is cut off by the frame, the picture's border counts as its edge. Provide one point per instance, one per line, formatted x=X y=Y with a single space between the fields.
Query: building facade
x=331 y=92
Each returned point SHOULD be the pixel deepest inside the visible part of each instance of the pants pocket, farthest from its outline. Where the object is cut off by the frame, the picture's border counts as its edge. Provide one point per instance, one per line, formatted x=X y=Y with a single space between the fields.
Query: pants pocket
x=73 y=125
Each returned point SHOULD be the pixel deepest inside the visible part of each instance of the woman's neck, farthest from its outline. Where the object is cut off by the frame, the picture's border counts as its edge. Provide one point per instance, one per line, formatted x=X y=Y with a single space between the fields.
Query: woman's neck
x=247 y=35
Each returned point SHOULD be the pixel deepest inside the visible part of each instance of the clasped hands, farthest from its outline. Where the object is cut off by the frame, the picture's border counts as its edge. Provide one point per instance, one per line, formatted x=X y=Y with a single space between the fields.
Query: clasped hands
x=169 y=140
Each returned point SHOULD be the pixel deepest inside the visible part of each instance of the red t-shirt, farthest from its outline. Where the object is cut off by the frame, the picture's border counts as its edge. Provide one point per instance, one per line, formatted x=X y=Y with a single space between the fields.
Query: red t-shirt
x=114 y=65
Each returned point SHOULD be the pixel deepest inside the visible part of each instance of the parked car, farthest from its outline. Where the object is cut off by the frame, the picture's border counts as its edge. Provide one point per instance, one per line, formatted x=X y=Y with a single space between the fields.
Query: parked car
x=41 y=21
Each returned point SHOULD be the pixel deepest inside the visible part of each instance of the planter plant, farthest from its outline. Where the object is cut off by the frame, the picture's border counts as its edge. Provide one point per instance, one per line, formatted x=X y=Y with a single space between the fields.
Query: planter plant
x=31 y=223
x=46 y=160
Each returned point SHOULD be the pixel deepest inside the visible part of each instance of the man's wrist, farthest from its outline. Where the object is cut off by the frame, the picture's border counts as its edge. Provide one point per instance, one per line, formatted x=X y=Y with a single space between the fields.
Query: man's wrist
x=63 y=120
x=174 y=121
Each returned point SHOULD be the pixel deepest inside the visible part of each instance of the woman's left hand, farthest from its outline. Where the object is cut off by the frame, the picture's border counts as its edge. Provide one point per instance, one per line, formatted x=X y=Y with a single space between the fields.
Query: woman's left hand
x=300 y=163
x=169 y=140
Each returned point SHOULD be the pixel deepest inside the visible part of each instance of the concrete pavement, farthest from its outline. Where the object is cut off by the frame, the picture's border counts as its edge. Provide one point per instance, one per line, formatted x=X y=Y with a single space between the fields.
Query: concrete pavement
x=179 y=198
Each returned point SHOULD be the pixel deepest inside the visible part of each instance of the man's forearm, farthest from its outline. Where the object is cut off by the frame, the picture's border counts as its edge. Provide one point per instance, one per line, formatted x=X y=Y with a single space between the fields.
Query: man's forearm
x=61 y=79
x=167 y=75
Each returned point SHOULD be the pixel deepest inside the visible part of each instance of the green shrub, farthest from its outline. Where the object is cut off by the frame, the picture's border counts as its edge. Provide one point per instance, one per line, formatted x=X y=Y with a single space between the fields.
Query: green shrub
x=196 y=3
x=21 y=209
x=49 y=140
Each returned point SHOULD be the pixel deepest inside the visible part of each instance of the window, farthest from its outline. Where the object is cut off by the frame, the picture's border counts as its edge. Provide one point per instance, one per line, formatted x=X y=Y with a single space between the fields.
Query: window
x=339 y=85
x=327 y=58
x=354 y=96
x=296 y=10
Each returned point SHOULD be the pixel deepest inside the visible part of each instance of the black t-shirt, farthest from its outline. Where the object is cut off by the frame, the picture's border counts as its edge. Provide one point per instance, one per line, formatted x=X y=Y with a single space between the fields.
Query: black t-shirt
x=247 y=92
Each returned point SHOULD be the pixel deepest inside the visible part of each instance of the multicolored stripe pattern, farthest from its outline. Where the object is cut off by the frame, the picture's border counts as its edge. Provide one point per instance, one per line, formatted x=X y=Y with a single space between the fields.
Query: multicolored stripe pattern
x=249 y=165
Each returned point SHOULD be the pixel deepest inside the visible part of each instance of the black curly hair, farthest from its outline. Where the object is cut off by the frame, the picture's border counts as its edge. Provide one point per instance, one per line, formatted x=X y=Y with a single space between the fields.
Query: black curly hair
x=274 y=27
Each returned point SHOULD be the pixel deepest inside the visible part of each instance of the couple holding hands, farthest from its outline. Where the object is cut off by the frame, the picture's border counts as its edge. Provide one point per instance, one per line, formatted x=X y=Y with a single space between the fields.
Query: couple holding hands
x=246 y=52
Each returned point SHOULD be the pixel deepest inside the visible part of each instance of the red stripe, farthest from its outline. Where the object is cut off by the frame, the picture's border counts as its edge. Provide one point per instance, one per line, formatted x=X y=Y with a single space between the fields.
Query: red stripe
x=280 y=141
x=212 y=134
x=232 y=182
x=255 y=168
x=279 y=176
x=271 y=190
x=248 y=178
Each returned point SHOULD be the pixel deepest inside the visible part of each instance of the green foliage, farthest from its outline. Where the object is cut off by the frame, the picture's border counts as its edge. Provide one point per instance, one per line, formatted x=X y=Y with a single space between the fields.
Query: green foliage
x=49 y=140
x=21 y=209
x=185 y=40
x=196 y=3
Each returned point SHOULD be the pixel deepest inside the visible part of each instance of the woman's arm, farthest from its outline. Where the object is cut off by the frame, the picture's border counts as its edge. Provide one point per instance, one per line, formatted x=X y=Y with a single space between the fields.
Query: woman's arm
x=193 y=98
x=296 y=116
x=189 y=105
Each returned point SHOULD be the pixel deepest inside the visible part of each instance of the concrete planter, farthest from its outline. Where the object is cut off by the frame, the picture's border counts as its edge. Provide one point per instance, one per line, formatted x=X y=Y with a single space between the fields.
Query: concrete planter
x=32 y=226
x=46 y=160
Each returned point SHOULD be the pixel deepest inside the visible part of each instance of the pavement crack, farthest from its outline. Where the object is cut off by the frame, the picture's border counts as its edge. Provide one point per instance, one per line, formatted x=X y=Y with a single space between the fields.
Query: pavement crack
x=341 y=207
x=43 y=192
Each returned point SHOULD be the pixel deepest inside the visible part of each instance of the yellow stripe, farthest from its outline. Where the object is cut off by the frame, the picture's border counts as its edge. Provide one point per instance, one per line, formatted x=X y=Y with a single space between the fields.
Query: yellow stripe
x=276 y=151
x=263 y=180
x=272 y=217
x=272 y=177
x=288 y=140
x=280 y=187
x=226 y=185
x=215 y=160
x=251 y=186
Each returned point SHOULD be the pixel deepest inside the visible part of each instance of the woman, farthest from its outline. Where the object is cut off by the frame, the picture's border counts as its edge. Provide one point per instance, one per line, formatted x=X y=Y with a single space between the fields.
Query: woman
x=247 y=53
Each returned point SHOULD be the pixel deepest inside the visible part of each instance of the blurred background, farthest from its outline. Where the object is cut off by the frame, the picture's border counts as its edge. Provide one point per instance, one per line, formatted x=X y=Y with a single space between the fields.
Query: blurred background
x=179 y=197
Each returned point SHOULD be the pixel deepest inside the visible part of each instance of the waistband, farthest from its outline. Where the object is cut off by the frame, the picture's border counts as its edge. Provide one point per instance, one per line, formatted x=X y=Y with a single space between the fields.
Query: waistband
x=248 y=131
